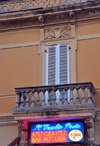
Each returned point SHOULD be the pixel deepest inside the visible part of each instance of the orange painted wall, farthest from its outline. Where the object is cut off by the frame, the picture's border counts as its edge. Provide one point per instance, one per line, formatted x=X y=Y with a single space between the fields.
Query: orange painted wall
x=88 y=61
x=87 y=28
x=21 y=36
x=19 y=67
x=7 y=134
x=7 y=105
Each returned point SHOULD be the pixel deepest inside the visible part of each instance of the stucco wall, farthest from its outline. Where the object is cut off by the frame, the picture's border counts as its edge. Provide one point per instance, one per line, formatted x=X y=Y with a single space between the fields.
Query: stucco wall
x=19 y=68
x=7 y=134
x=87 y=28
x=19 y=36
x=88 y=58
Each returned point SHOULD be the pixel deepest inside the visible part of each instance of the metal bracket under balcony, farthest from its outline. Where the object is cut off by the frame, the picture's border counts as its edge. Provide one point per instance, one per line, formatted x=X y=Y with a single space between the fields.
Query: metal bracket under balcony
x=54 y=98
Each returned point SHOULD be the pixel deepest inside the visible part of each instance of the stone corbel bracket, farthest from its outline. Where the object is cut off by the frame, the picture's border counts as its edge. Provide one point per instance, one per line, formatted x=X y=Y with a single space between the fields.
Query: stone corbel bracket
x=72 y=16
x=90 y=129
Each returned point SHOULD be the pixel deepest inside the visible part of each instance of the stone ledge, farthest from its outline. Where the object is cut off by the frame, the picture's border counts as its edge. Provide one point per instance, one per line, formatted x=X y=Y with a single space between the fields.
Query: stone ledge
x=64 y=114
x=59 y=107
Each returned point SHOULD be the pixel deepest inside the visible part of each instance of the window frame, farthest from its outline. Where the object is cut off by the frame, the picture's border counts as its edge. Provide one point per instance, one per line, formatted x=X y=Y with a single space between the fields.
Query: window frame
x=57 y=62
x=42 y=52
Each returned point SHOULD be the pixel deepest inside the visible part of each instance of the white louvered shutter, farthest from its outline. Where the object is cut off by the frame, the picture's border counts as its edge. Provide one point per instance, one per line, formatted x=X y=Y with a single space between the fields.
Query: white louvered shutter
x=51 y=65
x=57 y=65
x=63 y=64
x=64 y=68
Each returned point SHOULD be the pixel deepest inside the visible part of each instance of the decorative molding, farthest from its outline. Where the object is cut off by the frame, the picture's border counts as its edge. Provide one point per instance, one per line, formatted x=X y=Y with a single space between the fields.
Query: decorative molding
x=8 y=123
x=19 y=21
x=91 y=36
x=7 y=96
x=7 y=120
x=69 y=2
x=57 y=32
x=18 y=45
x=27 y=5
x=5 y=115
x=18 y=24
x=90 y=129
x=33 y=4
x=89 y=13
x=57 y=18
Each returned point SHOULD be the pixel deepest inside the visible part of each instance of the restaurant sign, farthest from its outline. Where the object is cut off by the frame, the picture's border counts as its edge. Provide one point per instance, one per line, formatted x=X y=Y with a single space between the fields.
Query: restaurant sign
x=57 y=132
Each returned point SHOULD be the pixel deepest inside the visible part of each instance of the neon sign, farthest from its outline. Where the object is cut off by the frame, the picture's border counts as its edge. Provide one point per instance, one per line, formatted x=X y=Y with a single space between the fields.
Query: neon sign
x=57 y=132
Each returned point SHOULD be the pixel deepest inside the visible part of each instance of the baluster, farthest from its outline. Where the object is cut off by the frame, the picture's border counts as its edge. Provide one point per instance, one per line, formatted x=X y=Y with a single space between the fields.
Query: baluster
x=66 y=96
x=49 y=97
x=54 y=89
x=77 y=95
x=90 y=95
x=53 y=100
x=72 y=97
x=60 y=98
x=22 y=100
x=17 y=101
x=27 y=100
x=38 y=98
x=33 y=99
x=43 y=99
x=32 y=105
x=83 y=95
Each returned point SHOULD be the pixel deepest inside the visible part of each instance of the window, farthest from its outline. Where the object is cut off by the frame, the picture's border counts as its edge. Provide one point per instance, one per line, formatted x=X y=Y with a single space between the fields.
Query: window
x=57 y=64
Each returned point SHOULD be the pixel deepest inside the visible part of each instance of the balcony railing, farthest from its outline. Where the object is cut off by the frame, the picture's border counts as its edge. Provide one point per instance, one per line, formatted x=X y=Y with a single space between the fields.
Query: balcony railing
x=78 y=95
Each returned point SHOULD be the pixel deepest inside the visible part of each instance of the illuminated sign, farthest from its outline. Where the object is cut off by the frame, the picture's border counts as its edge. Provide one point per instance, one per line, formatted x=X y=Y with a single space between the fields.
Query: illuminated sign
x=57 y=132
x=75 y=135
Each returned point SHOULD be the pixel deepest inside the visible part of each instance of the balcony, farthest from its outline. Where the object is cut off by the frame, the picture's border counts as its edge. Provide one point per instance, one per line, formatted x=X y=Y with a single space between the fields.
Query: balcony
x=68 y=100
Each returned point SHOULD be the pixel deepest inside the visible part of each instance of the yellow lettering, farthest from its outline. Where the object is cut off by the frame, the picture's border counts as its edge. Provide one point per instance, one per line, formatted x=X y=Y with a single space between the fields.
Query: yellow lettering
x=33 y=134
x=57 y=134
x=53 y=133
x=56 y=139
x=33 y=140
x=41 y=133
x=64 y=139
x=45 y=138
x=40 y=139
x=49 y=133
x=38 y=134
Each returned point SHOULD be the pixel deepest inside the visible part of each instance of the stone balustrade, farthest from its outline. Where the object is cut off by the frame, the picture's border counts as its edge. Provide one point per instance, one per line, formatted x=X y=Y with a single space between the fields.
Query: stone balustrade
x=55 y=97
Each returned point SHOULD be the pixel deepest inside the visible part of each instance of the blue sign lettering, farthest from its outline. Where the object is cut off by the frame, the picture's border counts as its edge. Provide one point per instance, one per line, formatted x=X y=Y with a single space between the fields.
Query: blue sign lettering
x=56 y=127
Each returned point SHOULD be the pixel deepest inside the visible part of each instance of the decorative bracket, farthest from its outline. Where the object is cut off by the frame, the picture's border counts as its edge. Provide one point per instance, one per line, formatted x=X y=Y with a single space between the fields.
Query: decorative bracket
x=90 y=129
x=57 y=32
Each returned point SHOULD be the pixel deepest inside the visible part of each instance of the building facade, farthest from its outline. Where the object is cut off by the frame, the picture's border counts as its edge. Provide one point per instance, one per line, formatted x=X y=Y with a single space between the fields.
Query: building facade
x=49 y=68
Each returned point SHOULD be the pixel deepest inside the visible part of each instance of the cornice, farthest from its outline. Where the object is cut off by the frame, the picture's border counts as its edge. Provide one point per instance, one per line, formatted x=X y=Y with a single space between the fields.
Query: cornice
x=71 y=13
x=24 y=5
x=20 y=22
x=12 y=6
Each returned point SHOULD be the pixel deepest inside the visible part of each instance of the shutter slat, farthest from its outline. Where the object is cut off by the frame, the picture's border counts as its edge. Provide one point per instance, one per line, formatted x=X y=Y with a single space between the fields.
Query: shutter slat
x=51 y=66
x=63 y=64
